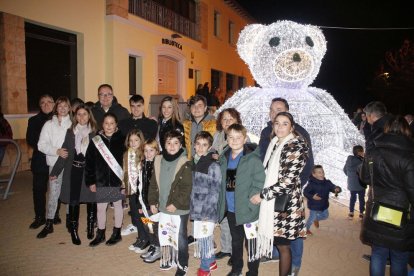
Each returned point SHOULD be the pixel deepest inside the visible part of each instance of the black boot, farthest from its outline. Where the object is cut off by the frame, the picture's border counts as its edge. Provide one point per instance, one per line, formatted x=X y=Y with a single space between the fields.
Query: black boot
x=39 y=221
x=68 y=223
x=115 y=237
x=91 y=213
x=100 y=237
x=46 y=230
x=74 y=222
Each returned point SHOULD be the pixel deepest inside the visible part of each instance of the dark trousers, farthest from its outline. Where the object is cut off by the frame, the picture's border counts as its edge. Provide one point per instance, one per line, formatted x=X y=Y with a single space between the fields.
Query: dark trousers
x=361 y=198
x=136 y=217
x=40 y=181
x=237 y=238
x=183 y=242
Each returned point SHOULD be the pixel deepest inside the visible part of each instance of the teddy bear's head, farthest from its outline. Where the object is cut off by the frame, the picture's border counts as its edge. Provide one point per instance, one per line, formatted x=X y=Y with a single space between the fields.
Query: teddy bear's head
x=282 y=54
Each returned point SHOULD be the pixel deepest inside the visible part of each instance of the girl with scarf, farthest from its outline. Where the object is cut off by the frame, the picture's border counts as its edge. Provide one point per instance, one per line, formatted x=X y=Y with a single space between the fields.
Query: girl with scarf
x=74 y=190
x=132 y=179
x=285 y=158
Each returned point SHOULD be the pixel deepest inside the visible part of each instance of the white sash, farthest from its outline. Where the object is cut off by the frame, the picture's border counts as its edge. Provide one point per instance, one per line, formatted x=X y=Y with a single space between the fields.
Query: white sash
x=250 y=230
x=168 y=228
x=108 y=157
x=203 y=233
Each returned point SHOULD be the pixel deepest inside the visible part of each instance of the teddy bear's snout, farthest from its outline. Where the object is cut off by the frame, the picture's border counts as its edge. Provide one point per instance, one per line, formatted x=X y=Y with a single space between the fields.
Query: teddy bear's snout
x=296 y=57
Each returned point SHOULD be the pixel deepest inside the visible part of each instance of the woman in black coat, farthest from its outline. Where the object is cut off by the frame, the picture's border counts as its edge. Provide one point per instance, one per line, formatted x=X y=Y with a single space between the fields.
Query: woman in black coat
x=74 y=190
x=391 y=162
x=106 y=181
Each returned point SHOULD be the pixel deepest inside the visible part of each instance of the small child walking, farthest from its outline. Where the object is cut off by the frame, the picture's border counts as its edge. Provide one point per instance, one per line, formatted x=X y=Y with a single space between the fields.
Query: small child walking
x=204 y=200
x=317 y=192
x=355 y=186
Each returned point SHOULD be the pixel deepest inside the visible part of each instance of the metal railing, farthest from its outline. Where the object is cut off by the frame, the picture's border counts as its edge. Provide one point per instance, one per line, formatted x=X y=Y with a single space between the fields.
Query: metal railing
x=156 y=13
x=13 y=172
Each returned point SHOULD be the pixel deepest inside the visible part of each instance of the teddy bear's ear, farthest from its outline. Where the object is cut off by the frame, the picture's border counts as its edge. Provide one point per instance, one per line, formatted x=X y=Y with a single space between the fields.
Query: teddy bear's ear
x=246 y=41
x=318 y=38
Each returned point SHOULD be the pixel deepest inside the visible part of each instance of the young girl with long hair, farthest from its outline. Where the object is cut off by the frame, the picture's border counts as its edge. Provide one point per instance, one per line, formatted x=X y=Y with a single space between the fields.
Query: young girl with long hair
x=168 y=119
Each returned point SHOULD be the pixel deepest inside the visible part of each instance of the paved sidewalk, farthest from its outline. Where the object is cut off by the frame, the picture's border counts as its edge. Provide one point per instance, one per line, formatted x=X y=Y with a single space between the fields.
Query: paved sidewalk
x=334 y=249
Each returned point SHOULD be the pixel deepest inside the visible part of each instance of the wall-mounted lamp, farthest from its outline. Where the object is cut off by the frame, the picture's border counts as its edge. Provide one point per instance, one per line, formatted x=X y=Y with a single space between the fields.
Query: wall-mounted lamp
x=175 y=35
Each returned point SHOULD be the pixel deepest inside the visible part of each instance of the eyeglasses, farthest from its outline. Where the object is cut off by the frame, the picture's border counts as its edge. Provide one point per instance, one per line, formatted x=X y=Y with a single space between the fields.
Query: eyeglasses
x=105 y=95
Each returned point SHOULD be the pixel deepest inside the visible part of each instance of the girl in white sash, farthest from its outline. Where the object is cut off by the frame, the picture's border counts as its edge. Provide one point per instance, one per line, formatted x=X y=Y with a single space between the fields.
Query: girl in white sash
x=132 y=178
x=285 y=158
x=103 y=175
x=169 y=192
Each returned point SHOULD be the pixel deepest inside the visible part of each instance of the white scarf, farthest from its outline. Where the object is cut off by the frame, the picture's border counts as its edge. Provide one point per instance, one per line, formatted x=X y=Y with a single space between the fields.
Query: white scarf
x=133 y=171
x=204 y=236
x=81 y=138
x=168 y=235
x=266 y=215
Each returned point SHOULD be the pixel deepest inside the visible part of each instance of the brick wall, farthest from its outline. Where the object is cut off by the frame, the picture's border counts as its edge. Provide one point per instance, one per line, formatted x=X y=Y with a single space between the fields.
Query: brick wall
x=12 y=65
x=117 y=7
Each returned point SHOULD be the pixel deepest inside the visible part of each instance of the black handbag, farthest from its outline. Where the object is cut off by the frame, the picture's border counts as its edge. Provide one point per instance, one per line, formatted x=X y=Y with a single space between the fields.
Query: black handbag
x=282 y=203
x=383 y=213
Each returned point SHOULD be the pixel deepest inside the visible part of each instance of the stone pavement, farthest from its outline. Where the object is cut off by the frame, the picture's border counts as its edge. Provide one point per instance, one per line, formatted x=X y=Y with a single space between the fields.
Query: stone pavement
x=334 y=249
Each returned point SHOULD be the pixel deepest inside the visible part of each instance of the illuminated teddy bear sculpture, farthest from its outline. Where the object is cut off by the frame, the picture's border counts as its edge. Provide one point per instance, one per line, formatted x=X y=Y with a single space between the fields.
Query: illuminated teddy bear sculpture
x=284 y=59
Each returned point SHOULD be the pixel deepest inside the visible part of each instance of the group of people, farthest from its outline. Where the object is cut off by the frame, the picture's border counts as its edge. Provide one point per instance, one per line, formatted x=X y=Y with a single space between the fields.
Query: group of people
x=201 y=170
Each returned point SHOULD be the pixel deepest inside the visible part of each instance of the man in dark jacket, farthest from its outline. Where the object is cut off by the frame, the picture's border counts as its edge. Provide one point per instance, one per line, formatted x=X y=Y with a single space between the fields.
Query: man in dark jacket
x=377 y=117
x=38 y=164
x=137 y=120
x=107 y=103
x=281 y=105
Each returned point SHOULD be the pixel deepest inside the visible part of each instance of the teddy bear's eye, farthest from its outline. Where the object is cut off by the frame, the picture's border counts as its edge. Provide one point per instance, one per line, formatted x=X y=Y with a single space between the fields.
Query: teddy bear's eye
x=309 y=41
x=274 y=41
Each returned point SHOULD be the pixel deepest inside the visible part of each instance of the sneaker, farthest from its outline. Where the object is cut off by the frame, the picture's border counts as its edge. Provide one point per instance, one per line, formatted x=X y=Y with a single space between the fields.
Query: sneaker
x=166 y=267
x=316 y=223
x=191 y=240
x=295 y=271
x=265 y=260
x=361 y=216
x=201 y=272
x=309 y=233
x=181 y=271
x=351 y=216
x=143 y=248
x=154 y=256
x=213 y=266
x=135 y=245
x=146 y=254
x=129 y=230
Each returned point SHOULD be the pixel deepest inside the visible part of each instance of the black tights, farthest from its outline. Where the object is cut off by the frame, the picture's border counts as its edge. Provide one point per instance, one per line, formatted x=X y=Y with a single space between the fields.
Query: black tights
x=285 y=263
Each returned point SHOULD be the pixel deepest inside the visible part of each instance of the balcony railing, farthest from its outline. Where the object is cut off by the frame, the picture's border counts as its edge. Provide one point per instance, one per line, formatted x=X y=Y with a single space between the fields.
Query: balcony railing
x=154 y=12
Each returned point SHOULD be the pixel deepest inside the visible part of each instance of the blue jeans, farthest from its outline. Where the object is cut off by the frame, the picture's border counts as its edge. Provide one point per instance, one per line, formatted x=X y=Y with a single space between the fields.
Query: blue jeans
x=296 y=246
x=316 y=215
x=379 y=255
x=361 y=198
x=205 y=263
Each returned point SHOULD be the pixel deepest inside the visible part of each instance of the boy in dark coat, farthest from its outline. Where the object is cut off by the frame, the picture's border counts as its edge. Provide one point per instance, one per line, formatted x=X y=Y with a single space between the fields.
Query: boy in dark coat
x=204 y=200
x=351 y=169
x=317 y=192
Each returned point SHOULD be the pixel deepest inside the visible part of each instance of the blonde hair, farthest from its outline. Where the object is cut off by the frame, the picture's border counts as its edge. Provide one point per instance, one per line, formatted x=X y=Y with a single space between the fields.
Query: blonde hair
x=138 y=155
x=153 y=144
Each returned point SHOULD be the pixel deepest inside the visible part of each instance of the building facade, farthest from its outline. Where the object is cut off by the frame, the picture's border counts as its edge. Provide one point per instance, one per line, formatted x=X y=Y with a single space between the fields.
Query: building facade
x=146 y=47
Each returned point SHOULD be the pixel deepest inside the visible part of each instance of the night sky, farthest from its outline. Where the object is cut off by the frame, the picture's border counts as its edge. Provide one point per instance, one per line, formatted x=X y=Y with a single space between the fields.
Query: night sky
x=353 y=56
